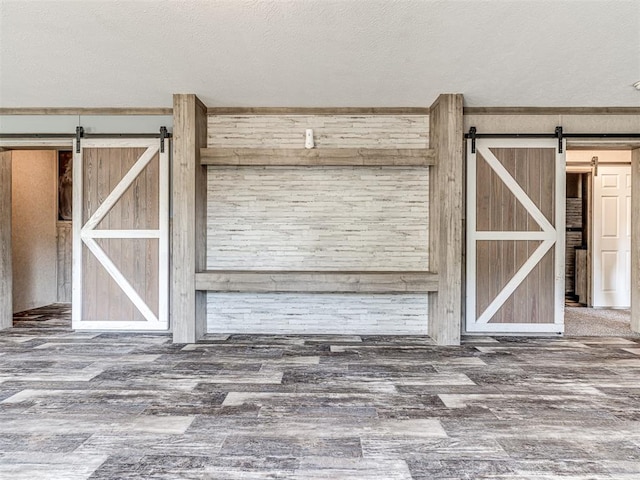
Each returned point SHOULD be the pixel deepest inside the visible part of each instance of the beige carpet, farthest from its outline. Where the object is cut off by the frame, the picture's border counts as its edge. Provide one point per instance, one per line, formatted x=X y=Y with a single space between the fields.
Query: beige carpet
x=592 y=322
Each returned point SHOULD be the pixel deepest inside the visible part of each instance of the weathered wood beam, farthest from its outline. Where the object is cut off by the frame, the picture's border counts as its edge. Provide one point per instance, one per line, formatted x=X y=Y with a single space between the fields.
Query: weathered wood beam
x=446 y=136
x=316 y=281
x=552 y=110
x=406 y=157
x=318 y=111
x=188 y=306
x=85 y=111
x=6 y=275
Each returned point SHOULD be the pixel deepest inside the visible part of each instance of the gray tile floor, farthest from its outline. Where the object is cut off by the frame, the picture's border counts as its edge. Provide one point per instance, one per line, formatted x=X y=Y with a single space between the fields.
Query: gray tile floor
x=77 y=405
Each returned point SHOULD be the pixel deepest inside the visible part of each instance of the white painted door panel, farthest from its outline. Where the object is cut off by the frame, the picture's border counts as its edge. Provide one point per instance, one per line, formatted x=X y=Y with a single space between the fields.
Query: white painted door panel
x=612 y=237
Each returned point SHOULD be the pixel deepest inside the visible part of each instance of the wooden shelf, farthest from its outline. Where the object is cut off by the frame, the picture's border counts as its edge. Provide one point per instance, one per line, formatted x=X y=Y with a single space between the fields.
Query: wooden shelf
x=316 y=281
x=364 y=157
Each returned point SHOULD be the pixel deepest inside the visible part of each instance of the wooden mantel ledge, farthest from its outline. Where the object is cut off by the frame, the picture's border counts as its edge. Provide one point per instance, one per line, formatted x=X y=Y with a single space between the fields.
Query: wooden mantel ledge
x=365 y=157
x=317 y=281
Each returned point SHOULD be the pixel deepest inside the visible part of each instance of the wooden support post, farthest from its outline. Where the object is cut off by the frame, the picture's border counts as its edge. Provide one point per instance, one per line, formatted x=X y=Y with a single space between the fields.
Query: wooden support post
x=635 y=240
x=188 y=307
x=446 y=180
x=6 y=274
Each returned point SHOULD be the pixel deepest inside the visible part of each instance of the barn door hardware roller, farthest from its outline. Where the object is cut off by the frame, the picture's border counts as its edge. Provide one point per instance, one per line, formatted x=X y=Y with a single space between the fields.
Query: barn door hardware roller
x=559 y=135
x=472 y=136
x=163 y=134
x=79 y=135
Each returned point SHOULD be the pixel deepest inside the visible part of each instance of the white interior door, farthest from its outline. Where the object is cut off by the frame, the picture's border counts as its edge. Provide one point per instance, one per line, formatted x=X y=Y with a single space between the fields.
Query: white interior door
x=121 y=235
x=612 y=237
x=515 y=236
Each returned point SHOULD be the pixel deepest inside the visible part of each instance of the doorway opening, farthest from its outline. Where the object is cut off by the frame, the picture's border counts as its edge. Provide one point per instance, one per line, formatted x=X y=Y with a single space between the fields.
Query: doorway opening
x=598 y=242
x=41 y=236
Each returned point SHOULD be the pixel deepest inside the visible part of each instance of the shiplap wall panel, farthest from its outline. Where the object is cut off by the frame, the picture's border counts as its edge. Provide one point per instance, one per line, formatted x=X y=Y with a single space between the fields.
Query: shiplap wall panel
x=573 y=240
x=65 y=247
x=317 y=218
x=330 y=131
x=356 y=314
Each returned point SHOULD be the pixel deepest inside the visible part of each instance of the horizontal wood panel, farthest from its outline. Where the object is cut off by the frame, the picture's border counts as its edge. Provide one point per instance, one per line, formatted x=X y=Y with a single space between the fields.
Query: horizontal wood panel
x=317 y=282
x=318 y=111
x=318 y=157
x=309 y=313
x=329 y=131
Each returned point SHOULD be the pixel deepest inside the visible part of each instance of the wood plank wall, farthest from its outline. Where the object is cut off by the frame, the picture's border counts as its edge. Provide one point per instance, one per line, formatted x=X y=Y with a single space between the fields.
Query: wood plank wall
x=321 y=218
x=188 y=306
x=446 y=205
x=6 y=275
x=497 y=261
x=64 y=247
x=136 y=259
x=330 y=131
x=318 y=218
x=573 y=240
x=327 y=313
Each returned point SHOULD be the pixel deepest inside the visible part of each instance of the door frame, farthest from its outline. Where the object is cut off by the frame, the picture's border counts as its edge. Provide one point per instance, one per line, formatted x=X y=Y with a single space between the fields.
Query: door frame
x=633 y=145
x=588 y=226
x=24 y=144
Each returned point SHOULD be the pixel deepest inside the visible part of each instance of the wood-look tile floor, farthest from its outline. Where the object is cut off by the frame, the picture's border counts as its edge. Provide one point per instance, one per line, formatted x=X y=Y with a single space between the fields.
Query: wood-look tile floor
x=78 y=405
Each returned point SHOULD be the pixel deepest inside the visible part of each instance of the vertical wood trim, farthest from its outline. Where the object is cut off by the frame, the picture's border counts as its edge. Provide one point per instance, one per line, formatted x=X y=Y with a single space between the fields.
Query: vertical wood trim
x=64 y=248
x=201 y=122
x=560 y=194
x=78 y=220
x=6 y=274
x=589 y=219
x=188 y=309
x=445 y=218
x=164 y=232
x=635 y=240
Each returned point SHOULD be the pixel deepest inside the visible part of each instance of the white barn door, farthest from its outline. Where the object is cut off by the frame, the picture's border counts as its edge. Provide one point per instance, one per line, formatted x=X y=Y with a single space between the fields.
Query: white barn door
x=120 y=235
x=515 y=236
x=612 y=237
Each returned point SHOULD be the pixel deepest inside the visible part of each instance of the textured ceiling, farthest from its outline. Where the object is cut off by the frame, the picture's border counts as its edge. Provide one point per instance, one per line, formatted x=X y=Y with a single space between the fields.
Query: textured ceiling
x=319 y=52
